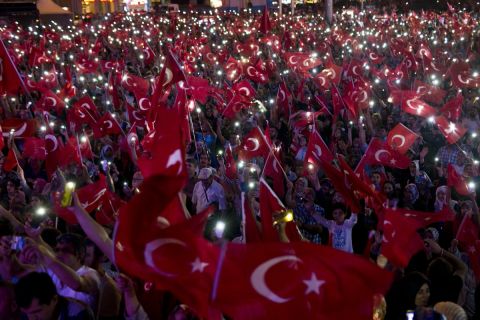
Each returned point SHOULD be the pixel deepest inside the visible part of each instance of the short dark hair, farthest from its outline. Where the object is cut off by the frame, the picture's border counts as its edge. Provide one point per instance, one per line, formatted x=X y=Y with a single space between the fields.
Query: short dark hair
x=75 y=240
x=340 y=206
x=37 y=285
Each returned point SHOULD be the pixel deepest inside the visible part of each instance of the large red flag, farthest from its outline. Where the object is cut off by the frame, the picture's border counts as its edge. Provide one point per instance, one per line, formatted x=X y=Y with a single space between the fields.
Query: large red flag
x=11 y=161
x=176 y=258
x=34 y=148
x=10 y=80
x=400 y=238
x=401 y=138
x=166 y=154
x=297 y=281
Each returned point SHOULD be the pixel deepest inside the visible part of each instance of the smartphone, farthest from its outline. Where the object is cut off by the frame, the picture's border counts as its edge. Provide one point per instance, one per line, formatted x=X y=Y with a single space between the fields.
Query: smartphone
x=18 y=243
x=68 y=194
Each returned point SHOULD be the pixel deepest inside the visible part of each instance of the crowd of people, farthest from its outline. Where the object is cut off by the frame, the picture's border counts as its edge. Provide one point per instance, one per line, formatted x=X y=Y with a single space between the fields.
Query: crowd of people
x=361 y=135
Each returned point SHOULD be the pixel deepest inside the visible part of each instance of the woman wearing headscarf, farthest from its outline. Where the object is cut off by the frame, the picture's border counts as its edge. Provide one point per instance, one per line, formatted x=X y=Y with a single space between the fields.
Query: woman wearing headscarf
x=442 y=199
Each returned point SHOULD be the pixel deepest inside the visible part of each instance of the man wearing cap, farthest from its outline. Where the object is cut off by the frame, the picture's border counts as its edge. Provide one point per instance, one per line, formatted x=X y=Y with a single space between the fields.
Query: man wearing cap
x=207 y=191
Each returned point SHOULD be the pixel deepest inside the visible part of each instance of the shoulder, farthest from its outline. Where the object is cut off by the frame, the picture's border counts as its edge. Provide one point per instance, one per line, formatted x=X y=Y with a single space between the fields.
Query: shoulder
x=74 y=309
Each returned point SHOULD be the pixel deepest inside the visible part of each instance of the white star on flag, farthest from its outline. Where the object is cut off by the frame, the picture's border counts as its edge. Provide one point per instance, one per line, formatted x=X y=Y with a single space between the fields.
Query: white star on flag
x=313 y=284
x=452 y=128
x=198 y=265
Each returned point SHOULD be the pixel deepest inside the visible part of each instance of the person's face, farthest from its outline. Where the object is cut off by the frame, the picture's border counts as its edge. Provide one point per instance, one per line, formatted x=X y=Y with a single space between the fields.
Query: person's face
x=190 y=169
x=441 y=195
x=300 y=186
x=204 y=161
x=7 y=304
x=421 y=299
x=10 y=187
x=468 y=170
x=89 y=256
x=375 y=178
x=387 y=188
x=37 y=311
x=338 y=198
x=413 y=168
x=309 y=198
x=207 y=182
x=338 y=216
x=66 y=254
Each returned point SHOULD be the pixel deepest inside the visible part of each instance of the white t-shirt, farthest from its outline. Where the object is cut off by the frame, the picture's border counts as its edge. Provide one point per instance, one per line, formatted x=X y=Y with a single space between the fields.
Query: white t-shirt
x=91 y=299
x=202 y=197
x=341 y=233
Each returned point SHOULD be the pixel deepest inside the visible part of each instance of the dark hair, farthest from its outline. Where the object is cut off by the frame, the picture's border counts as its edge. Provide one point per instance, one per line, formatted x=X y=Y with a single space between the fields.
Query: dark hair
x=339 y=206
x=35 y=285
x=50 y=235
x=411 y=284
x=96 y=251
x=6 y=228
x=75 y=240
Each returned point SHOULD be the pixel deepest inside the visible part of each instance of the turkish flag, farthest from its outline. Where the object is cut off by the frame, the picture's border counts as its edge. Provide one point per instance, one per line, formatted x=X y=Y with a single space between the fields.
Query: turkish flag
x=250 y=229
x=135 y=117
x=85 y=65
x=176 y=258
x=245 y=89
x=380 y=152
x=339 y=181
x=359 y=185
x=68 y=90
x=166 y=154
x=453 y=108
x=270 y=204
x=273 y=169
x=457 y=181
x=412 y=104
x=230 y=164
x=49 y=101
x=108 y=212
x=375 y=57
x=265 y=24
x=317 y=151
x=297 y=280
x=400 y=238
x=34 y=148
x=462 y=77
x=137 y=85
x=106 y=125
x=233 y=69
x=450 y=130
x=54 y=150
x=198 y=88
x=254 y=144
x=82 y=146
x=429 y=93
x=86 y=110
x=20 y=128
x=11 y=161
x=282 y=99
x=467 y=237
x=255 y=74
x=401 y=138
x=48 y=80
